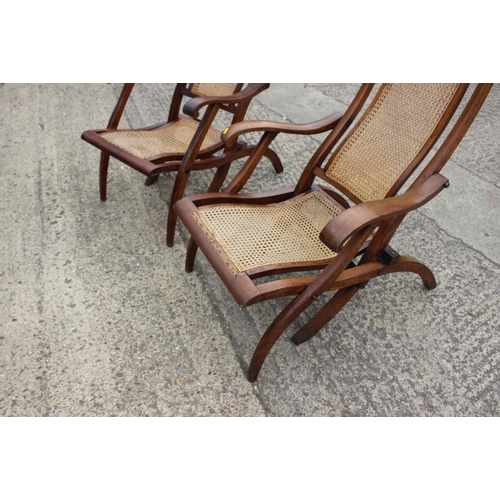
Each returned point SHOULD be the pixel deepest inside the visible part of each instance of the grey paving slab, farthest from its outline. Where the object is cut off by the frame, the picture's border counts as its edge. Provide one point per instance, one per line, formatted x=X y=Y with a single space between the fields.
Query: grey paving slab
x=98 y=317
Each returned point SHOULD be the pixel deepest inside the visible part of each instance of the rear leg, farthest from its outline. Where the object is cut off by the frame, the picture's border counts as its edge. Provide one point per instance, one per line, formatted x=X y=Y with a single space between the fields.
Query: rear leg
x=103 y=174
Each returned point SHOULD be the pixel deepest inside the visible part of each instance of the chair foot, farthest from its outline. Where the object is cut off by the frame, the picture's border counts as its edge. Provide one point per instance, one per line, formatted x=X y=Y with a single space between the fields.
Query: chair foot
x=191 y=255
x=103 y=174
x=409 y=264
x=428 y=278
x=151 y=180
x=170 y=239
x=171 y=223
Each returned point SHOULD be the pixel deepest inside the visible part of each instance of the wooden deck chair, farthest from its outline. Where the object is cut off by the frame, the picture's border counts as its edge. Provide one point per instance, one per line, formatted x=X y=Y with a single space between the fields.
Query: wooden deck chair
x=182 y=144
x=308 y=227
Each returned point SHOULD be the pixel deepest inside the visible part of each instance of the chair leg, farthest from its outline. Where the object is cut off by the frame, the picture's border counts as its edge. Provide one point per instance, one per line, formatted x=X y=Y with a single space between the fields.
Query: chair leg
x=298 y=305
x=219 y=178
x=414 y=266
x=191 y=255
x=177 y=192
x=324 y=315
x=342 y=297
x=410 y=265
x=291 y=312
x=171 y=223
x=274 y=158
x=103 y=174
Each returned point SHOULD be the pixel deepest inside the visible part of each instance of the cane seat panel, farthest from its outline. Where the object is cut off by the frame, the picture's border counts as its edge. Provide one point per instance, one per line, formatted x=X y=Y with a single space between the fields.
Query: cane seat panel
x=256 y=236
x=172 y=139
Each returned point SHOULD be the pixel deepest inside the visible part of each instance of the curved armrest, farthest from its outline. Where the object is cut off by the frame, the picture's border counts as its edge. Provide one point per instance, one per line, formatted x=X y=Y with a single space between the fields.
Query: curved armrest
x=231 y=134
x=265 y=198
x=342 y=227
x=193 y=106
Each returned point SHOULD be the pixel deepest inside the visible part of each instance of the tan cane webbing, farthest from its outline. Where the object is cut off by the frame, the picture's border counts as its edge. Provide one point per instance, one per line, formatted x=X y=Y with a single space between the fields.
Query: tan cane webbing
x=213 y=89
x=389 y=138
x=174 y=138
x=255 y=236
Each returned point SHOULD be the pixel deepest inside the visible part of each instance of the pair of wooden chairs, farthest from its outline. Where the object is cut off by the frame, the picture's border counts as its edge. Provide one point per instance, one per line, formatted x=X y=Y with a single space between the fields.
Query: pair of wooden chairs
x=340 y=229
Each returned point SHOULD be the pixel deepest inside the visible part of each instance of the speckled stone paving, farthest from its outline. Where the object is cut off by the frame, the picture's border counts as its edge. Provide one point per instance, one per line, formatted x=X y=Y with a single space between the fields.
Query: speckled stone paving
x=98 y=317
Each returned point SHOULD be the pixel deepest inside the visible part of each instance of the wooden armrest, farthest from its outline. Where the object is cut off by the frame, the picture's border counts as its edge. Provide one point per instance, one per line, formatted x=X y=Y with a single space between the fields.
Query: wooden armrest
x=275 y=196
x=193 y=106
x=230 y=135
x=342 y=227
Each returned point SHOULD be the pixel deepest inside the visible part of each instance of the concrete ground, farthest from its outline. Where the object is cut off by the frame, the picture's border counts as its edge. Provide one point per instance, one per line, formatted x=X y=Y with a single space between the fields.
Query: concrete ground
x=98 y=317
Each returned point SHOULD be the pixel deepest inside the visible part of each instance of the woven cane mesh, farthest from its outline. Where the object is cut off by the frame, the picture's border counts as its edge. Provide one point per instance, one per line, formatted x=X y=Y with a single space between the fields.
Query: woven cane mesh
x=213 y=89
x=174 y=138
x=389 y=138
x=255 y=236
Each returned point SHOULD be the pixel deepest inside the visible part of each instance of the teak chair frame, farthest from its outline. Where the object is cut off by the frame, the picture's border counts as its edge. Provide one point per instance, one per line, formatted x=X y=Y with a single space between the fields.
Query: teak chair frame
x=195 y=155
x=359 y=235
